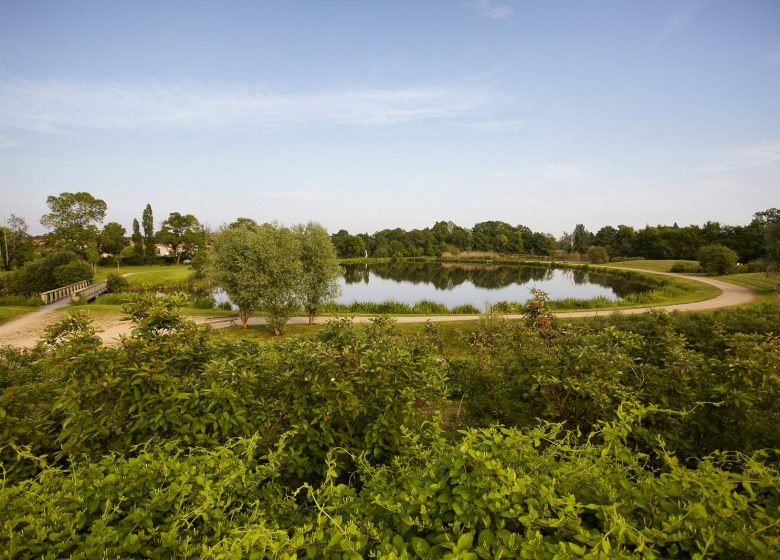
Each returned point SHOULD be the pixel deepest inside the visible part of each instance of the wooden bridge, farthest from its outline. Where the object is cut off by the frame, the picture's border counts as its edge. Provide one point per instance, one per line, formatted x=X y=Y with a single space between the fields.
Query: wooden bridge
x=90 y=292
x=59 y=293
x=77 y=291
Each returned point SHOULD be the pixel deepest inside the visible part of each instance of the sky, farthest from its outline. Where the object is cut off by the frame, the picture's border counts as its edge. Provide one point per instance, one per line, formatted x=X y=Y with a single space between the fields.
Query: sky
x=367 y=115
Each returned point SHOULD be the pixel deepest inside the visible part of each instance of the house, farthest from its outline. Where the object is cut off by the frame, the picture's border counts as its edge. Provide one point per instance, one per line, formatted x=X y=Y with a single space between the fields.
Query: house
x=163 y=249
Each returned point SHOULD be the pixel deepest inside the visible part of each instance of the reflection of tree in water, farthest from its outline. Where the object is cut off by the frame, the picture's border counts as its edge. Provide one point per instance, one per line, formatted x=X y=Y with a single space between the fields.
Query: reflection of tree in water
x=448 y=276
x=356 y=273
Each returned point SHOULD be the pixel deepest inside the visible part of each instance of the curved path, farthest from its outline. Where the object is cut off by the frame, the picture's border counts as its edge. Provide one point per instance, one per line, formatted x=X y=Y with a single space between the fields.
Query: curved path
x=26 y=330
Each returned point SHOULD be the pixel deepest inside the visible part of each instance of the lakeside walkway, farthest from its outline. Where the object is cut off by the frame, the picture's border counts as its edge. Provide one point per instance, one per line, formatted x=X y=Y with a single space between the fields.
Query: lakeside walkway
x=26 y=330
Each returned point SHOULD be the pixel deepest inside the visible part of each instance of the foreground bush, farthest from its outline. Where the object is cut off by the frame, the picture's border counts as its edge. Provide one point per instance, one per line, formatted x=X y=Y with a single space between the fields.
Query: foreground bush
x=177 y=444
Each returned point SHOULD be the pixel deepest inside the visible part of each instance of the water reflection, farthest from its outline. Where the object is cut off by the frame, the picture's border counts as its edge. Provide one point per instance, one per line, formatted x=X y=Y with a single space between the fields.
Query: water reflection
x=461 y=283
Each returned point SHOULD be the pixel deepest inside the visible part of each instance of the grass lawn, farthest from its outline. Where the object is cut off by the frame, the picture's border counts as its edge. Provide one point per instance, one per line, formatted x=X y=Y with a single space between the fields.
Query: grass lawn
x=149 y=275
x=658 y=266
x=756 y=281
x=8 y=312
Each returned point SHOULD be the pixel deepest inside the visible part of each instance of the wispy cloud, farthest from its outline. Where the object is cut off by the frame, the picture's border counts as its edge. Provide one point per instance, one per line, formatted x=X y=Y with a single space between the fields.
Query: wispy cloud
x=66 y=107
x=677 y=21
x=490 y=9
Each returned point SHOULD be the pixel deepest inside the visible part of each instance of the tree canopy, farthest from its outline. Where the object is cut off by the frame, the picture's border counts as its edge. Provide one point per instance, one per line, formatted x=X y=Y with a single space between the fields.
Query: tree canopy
x=320 y=268
x=259 y=267
x=73 y=217
x=184 y=232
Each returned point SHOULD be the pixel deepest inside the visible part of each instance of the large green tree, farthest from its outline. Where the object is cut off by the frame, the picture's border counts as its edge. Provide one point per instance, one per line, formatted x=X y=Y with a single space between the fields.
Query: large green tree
x=149 y=242
x=259 y=267
x=184 y=233
x=112 y=238
x=73 y=217
x=320 y=268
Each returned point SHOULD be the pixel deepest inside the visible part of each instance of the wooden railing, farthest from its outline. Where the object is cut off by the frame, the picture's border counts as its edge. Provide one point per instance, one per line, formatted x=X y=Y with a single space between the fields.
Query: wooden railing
x=57 y=294
x=92 y=290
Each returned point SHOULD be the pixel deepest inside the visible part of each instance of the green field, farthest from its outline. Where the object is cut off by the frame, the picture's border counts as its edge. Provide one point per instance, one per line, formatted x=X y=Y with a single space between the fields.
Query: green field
x=150 y=275
x=655 y=265
x=759 y=282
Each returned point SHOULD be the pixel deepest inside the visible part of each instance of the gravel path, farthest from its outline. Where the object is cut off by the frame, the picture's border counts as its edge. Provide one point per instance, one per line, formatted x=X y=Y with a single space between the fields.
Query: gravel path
x=26 y=330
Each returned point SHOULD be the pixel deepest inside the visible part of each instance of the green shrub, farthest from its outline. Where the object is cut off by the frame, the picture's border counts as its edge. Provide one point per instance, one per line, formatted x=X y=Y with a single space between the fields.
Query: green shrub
x=717 y=259
x=72 y=272
x=203 y=302
x=758 y=265
x=429 y=307
x=465 y=309
x=37 y=276
x=597 y=255
x=175 y=444
x=685 y=267
x=117 y=298
x=116 y=283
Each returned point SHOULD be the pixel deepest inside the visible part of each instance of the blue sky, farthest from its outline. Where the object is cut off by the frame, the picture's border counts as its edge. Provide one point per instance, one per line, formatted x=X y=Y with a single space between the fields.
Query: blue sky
x=367 y=115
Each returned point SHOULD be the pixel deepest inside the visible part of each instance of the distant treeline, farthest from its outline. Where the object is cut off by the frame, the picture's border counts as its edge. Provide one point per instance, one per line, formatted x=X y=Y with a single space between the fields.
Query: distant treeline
x=650 y=242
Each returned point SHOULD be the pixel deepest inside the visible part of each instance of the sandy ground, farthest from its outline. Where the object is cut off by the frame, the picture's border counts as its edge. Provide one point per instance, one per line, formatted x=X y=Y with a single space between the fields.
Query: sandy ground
x=26 y=330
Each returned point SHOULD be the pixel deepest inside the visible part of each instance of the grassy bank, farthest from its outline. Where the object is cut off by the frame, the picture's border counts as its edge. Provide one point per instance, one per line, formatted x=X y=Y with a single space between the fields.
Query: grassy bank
x=149 y=275
x=8 y=312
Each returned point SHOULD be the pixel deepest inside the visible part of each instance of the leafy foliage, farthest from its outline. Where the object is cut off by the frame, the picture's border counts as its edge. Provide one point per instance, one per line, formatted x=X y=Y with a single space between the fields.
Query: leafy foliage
x=717 y=259
x=40 y=275
x=177 y=444
x=320 y=270
x=72 y=272
x=72 y=218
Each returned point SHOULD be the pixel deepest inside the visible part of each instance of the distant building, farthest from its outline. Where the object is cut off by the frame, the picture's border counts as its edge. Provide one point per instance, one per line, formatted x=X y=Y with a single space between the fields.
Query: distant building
x=163 y=249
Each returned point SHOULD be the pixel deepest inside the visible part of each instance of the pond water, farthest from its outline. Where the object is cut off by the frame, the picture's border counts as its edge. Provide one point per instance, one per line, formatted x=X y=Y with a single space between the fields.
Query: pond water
x=464 y=283
x=456 y=284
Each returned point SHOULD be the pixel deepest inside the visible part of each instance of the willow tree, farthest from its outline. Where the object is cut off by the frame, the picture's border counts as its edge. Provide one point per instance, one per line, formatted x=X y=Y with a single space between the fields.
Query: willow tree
x=259 y=267
x=320 y=268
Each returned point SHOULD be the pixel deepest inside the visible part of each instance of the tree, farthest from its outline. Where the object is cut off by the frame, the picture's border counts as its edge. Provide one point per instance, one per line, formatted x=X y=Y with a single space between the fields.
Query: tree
x=581 y=239
x=73 y=218
x=259 y=268
x=183 y=232
x=16 y=246
x=717 y=259
x=320 y=268
x=148 y=223
x=597 y=254
x=112 y=238
x=768 y=223
x=38 y=275
x=138 y=240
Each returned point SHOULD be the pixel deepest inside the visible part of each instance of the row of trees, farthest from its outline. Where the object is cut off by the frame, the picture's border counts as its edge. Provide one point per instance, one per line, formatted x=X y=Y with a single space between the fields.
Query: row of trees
x=274 y=269
x=759 y=239
x=74 y=220
x=444 y=237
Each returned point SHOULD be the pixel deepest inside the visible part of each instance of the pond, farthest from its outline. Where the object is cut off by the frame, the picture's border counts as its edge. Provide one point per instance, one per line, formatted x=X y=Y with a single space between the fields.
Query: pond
x=456 y=284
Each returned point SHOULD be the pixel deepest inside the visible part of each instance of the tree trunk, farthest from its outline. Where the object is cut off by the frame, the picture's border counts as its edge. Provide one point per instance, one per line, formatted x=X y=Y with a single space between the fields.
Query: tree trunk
x=244 y=313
